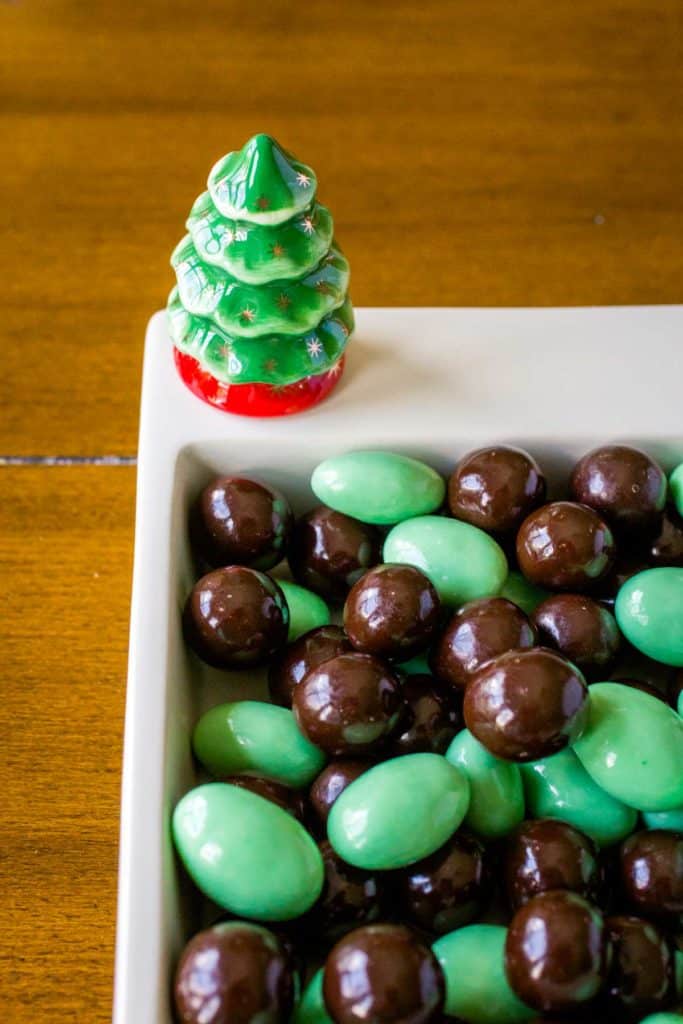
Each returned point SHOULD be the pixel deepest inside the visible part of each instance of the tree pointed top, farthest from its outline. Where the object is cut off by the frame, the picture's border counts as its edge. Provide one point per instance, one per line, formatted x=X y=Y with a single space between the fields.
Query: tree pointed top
x=262 y=183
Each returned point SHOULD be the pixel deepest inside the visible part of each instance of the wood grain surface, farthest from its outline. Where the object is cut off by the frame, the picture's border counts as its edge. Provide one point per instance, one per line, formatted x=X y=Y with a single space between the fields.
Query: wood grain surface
x=475 y=153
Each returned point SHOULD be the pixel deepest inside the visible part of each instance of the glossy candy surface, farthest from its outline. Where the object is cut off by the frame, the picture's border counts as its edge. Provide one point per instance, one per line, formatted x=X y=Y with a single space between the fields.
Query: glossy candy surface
x=632 y=747
x=560 y=787
x=236 y=867
x=398 y=812
x=478 y=632
x=289 y=667
x=430 y=719
x=581 y=630
x=623 y=484
x=496 y=791
x=329 y=552
x=565 y=546
x=392 y=612
x=235 y=617
x=477 y=990
x=382 y=973
x=495 y=488
x=462 y=562
x=253 y=737
x=331 y=782
x=676 y=487
x=651 y=872
x=378 y=487
x=234 y=973
x=350 y=897
x=640 y=977
x=526 y=595
x=649 y=610
x=546 y=854
x=237 y=521
x=525 y=705
x=288 y=799
x=311 y=1007
x=307 y=610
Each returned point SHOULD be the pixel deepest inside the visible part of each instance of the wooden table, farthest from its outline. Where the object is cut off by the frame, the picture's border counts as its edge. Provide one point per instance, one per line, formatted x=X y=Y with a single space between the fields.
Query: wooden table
x=474 y=153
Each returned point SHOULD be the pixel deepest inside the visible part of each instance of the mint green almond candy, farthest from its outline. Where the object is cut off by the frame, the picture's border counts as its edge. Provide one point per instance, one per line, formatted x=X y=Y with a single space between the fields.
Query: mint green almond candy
x=477 y=990
x=496 y=791
x=417 y=666
x=524 y=594
x=649 y=610
x=667 y=1017
x=560 y=787
x=311 y=1007
x=676 y=488
x=306 y=609
x=398 y=812
x=251 y=737
x=378 y=487
x=632 y=747
x=670 y=821
x=247 y=854
x=462 y=561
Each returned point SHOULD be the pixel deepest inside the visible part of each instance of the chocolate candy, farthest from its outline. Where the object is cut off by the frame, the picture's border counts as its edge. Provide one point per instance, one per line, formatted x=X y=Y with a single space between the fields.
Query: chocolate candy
x=311 y=1007
x=348 y=705
x=649 y=610
x=556 y=951
x=565 y=546
x=496 y=793
x=350 y=897
x=581 y=630
x=667 y=546
x=329 y=552
x=623 y=484
x=392 y=612
x=431 y=717
x=237 y=521
x=288 y=799
x=234 y=973
x=525 y=705
x=382 y=973
x=447 y=889
x=478 y=632
x=288 y=668
x=651 y=872
x=495 y=488
x=547 y=854
x=235 y=617
x=521 y=592
x=640 y=977
x=331 y=783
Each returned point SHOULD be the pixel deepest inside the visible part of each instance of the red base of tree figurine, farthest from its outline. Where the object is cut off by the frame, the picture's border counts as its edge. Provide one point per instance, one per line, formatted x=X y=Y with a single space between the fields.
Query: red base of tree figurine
x=256 y=399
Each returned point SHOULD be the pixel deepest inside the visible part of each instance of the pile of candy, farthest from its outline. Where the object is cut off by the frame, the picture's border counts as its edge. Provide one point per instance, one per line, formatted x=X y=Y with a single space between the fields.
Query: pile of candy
x=466 y=802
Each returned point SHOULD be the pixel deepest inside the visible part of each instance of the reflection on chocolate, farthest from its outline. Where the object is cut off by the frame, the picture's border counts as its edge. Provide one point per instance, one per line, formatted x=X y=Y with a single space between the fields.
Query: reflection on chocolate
x=652 y=872
x=291 y=800
x=495 y=488
x=623 y=484
x=549 y=854
x=331 y=783
x=329 y=551
x=392 y=612
x=565 y=546
x=241 y=522
x=289 y=667
x=431 y=718
x=581 y=630
x=640 y=977
x=350 y=897
x=667 y=547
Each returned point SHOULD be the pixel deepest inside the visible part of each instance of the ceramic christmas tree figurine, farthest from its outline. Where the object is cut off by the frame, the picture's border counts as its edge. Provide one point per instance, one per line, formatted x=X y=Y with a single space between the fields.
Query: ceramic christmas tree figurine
x=260 y=316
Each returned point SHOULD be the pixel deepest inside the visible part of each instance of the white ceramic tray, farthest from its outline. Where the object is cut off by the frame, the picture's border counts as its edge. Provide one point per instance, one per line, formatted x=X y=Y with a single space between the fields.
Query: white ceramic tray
x=430 y=382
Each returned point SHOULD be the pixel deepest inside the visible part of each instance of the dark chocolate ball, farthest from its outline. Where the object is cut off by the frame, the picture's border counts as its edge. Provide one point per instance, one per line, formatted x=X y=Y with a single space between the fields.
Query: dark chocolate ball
x=382 y=973
x=651 y=872
x=565 y=546
x=234 y=973
x=447 y=889
x=331 y=783
x=581 y=630
x=626 y=565
x=623 y=484
x=667 y=546
x=291 y=800
x=241 y=522
x=526 y=705
x=477 y=633
x=235 y=617
x=549 y=854
x=329 y=551
x=350 y=897
x=392 y=612
x=640 y=976
x=289 y=667
x=556 y=951
x=431 y=718
x=495 y=488
x=348 y=705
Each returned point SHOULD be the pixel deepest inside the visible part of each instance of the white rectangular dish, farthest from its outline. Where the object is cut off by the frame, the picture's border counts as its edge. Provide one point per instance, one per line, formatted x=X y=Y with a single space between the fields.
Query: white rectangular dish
x=428 y=382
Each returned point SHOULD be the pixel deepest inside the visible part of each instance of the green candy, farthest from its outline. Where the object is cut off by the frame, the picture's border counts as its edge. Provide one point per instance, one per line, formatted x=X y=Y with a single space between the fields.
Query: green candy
x=649 y=610
x=676 y=488
x=398 y=812
x=678 y=972
x=560 y=787
x=669 y=1017
x=417 y=666
x=632 y=747
x=311 y=1007
x=670 y=821
x=306 y=609
x=462 y=561
x=496 y=791
x=378 y=487
x=251 y=737
x=473 y=962
x=247 y=854
x=521 y=592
